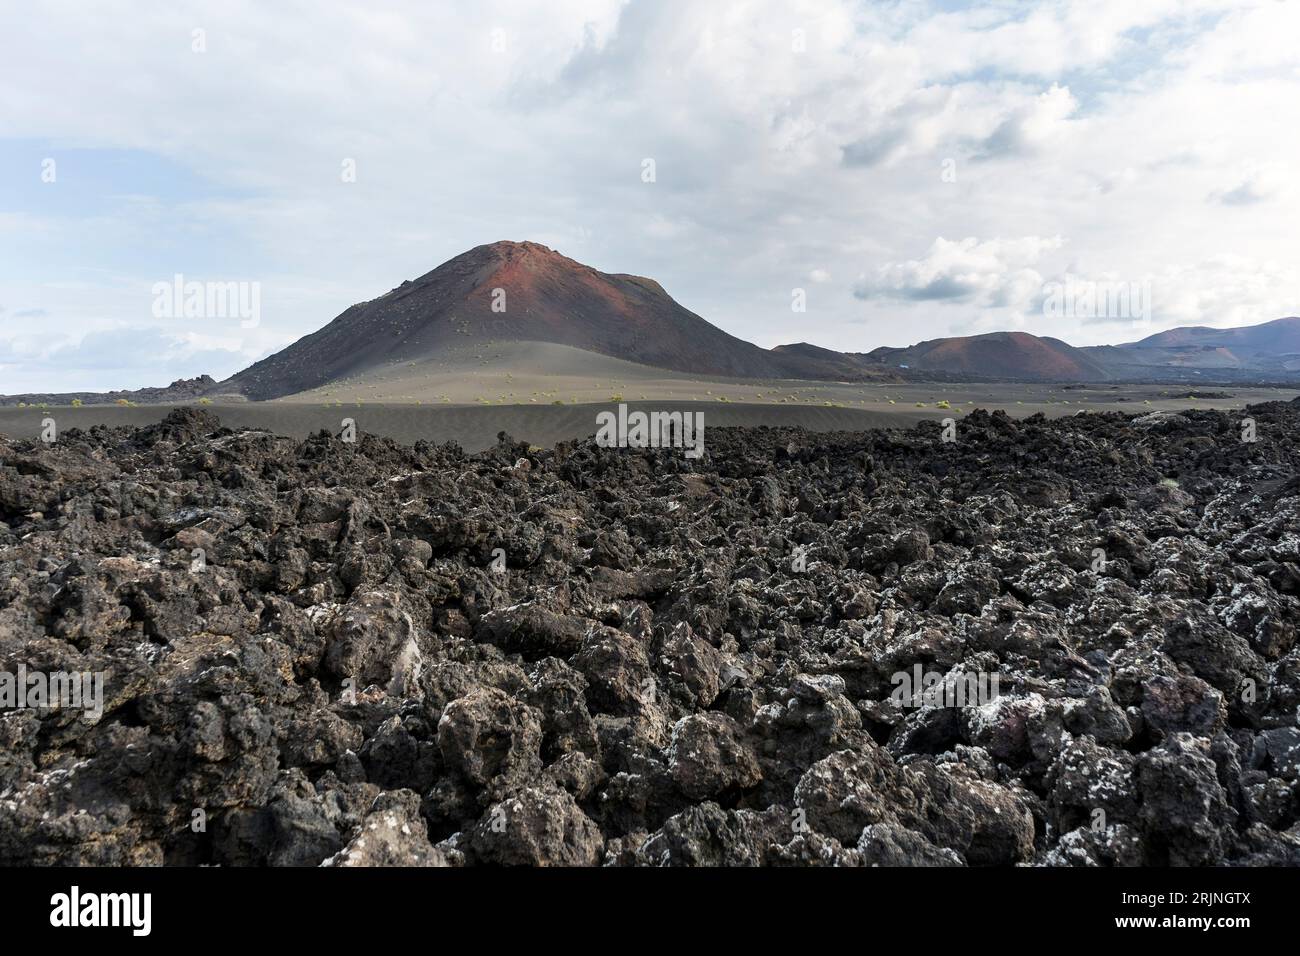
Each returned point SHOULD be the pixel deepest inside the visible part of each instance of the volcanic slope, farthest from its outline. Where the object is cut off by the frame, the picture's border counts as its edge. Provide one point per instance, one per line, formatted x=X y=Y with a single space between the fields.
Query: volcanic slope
x=1281 y=336
x=1008 y=355
x=539 y=295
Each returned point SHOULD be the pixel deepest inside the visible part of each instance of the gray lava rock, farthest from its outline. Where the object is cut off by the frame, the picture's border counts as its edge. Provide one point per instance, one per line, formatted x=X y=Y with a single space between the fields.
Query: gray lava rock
x=393 y=834
x=707 y=757
x=536 y=827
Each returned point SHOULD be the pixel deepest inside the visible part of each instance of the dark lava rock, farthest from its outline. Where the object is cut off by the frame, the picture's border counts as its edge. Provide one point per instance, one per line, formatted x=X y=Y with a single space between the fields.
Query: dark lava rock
x=310 y=654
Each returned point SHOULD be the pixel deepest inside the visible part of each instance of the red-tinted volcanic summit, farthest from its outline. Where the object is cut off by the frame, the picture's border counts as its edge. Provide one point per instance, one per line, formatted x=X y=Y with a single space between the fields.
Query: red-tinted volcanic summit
x=1007 y=355
x=547 y=297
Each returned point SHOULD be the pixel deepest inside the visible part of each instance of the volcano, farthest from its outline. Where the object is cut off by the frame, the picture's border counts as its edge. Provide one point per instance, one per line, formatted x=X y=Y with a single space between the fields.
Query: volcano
x=511 y=291
x=1008 y=355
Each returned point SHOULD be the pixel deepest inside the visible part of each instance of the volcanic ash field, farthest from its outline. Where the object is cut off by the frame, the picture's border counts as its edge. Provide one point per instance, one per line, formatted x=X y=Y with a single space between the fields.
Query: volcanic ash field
x=310 y=654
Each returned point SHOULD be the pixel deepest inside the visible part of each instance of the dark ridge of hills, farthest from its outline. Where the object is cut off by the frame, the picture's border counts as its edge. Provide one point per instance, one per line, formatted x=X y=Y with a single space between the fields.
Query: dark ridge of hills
x=183 y=389
x=1270 y=350
x=812 y=361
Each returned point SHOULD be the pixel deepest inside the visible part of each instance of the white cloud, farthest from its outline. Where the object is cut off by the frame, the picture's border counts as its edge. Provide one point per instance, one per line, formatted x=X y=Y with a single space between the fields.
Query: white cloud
x=1257 y=186
x=1033 y=126
x=992 y=272
x=1224 y=291
x=1106 y=123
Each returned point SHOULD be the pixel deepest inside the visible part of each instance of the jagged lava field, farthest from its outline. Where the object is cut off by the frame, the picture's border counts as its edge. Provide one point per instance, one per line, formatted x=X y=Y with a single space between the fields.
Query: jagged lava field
x=406 y=654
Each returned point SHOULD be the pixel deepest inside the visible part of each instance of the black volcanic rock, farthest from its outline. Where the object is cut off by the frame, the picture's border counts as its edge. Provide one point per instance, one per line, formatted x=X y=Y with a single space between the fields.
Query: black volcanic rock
x=654 y=679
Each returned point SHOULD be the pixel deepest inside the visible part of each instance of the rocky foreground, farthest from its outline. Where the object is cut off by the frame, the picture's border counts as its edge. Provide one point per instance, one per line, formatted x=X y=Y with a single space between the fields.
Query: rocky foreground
x=311 y=654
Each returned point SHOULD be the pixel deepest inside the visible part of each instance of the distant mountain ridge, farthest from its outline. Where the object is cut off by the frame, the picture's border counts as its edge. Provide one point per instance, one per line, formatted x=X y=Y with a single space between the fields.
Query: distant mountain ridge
x=1277 y=336
x=1269 y=349
x=181 y=390
x=524 y=291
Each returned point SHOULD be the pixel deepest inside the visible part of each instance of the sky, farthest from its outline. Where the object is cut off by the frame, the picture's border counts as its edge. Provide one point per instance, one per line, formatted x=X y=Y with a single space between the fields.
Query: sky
x=897 y=170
